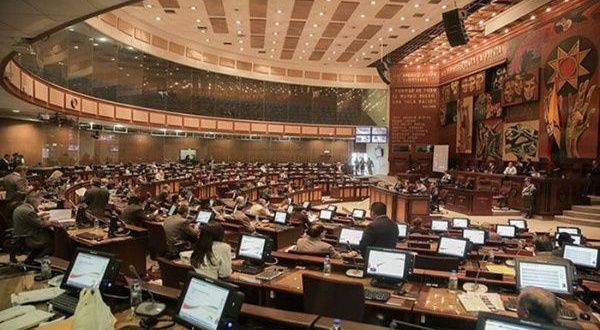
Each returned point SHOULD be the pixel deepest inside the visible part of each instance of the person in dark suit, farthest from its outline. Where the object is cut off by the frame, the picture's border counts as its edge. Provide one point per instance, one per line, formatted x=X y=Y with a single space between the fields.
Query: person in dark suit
x=381 y=232
x=33 y=228
x=15 y=182
x=134 y=214
x=179 y=231
x=96 y=199
x=5 y=164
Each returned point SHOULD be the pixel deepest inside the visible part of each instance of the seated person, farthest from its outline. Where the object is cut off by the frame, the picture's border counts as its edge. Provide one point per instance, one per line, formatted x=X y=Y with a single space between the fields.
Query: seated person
x=96 y=198
x=211 y=256
x=33 y=227
x=178 y=229
x=420 y=187
x=510 y=169
x=312 y=243
x=537 y=305
x=417 y=227
x=562 y=240
x=543 y=246
x=260 y=208
x=446 y=178
x=163 y=195
x=238 y=216
x=133 y=214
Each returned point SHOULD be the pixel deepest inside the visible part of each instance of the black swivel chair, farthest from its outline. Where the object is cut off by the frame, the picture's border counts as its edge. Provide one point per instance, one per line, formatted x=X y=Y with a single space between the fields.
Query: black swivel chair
x=333 y=298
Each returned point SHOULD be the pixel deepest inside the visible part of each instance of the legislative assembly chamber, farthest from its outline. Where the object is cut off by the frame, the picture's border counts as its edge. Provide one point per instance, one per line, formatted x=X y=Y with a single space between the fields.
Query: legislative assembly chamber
x=300 y=164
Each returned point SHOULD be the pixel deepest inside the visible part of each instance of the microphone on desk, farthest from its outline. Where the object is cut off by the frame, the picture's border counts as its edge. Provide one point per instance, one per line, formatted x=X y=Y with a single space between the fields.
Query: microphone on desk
x=356 y=272
x=475 y=286
x=146 y=308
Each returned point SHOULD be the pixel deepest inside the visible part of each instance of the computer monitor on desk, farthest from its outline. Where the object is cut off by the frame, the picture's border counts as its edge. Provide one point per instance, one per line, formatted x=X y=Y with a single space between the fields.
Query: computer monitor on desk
x=172 y=209
x=582 y=256
x=325 y=215
x=554 y=277
x=351 y=236
x=332 y=208
x=493 y=321
x=208 y=304
x=254 y=249
x=306 y=205
x=439 y=226
x=290 y=209
x=506 y=231
x=569 y=230
x=388 y=267
x=402 y=230
x=460 y=223
x=475 y=236
x=204 y=216
x=453 y=247
x=521 y=224
x=359 y=214
x=280 y=217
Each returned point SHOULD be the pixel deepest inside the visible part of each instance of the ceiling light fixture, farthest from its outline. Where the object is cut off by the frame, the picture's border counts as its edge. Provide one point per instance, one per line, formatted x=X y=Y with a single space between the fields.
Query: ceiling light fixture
x=148 y=6
x=157 y=18
x=16 y=111
x=198 y=20
x=193 y=7
x=279 y=11
x=315 y=25
x=321 y=13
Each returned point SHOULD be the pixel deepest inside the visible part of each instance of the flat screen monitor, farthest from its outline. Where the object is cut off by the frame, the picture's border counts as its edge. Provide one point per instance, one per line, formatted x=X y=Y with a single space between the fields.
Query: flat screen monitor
x=362 y=139
x=306 y=205
x=491 y=321
x=379 y=130
x=280 y=217
x=388 y=264
x=439 y=225
x=460 y=223
x=204 y=216
x=290 y=209
x=378 y=138
x=576 y=239
x=350 y=236
x=569 y=230
x=475 y=236
x=172 y=210
x=506 y=231
x=208 y=304
x=553 y=277
x=332 y=208
x=581 y=256
x=88 y=268
x=402 y=230
x=454 y=247
x=253 y=248
x=363 y=131
x=519 y=223
x=359 y=214
x=325 y=215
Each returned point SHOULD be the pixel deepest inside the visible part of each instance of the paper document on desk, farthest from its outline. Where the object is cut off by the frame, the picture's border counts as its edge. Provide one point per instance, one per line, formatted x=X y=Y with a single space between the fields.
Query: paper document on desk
x=60 y=214
x=501 y=269
x=481 y=302
x=80 y=192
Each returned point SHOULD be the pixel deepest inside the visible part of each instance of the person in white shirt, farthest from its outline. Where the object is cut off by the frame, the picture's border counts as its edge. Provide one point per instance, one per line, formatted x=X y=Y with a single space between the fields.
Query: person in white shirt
x=211 y=256
x=510 y=169
x=260 y=208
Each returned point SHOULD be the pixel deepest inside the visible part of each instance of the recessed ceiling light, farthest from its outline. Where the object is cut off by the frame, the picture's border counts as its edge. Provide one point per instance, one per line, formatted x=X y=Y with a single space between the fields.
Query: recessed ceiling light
x=444 y=7
x=373 y=3
x=413 y=30
x=371 y=46
x=16 y=111
x=198 y=20
x=548 y=9
x=71 y=29
x=402 y=18
x=362 y=15
x=321 y=13
x=532 y=17
x=275 y=33
x=329 y=58
x=157 y=18
x=240 y=32
x=303 y=51
x=380 y=38
x=271 y=56
x=315 y=25
x=306 y=44
x=95 y=44
x=493 y=14
x=311 y=35
x=112 y=59
x=207 y=40
x=241 y=41
x=148 y=6
x=272 y=49
x=102 y=39
x=390 y=29
x=427 y=19
x=277 y=23
x=279 y=11
x=75 y=47
x=193 y=7
x=417 y=5
x=300 y=57
x=241 y=48
x=334 y=52
x=506 y=30
x=274 y=42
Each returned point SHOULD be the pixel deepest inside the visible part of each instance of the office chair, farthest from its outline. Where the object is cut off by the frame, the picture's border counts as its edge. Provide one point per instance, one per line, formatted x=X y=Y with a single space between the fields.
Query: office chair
x=63 y=247
x=173 y=274
x=333 y=298
x=157 y=239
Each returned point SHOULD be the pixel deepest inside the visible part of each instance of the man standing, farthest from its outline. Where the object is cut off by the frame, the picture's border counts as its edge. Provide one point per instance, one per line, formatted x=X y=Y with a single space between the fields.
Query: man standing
x=510 y=169
x=15 y=182
x=370 y=165
x=96 y=198
x=5 y=164
x=381 y=232
x=528 y=194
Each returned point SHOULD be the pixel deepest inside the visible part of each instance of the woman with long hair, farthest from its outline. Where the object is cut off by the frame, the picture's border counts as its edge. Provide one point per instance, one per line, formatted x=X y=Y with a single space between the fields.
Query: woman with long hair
x=211 y=256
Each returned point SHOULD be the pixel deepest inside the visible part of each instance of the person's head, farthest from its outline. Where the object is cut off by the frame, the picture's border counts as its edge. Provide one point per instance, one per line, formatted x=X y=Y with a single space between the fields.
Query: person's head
x=417 y=223
x=510 y=164
x=209 y=234
x=537 y=305
x=315 y=231
x=240 y=201
x=262 y=201
x=527 y=181
x=183 y=210
x=96 y=182
x=134 y=200
x=21 y=170
x=542 y=244
x=34 y=198
x=564 y=238
x=378 y=209
x=6 y=156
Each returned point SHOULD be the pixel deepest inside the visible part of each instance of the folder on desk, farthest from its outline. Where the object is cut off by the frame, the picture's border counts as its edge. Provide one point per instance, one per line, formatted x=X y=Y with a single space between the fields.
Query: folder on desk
x=481 y=302
x=502 y=269
x=60 y=214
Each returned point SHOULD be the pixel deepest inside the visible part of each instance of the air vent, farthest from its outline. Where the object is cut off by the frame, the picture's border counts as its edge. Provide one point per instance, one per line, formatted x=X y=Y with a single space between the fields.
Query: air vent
x=261 y=52
x=202 y=28
x=393 y=37
x=227 y=43
x=169 y=11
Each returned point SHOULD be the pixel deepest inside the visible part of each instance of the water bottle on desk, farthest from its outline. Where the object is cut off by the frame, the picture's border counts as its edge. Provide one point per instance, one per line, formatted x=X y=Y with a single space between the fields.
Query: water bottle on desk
x=337 y=324
x=96 y=222
x=46 y=268
x=453 y=281
x=135 y=295
x=327 y=265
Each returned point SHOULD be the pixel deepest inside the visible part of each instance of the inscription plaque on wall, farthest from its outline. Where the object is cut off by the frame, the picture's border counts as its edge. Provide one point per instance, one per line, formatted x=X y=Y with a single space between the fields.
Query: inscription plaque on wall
x=413 y=115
